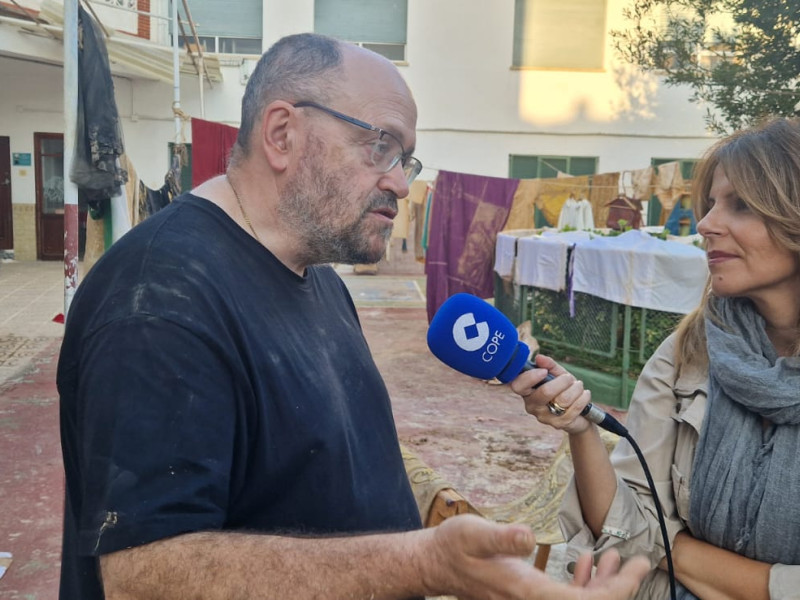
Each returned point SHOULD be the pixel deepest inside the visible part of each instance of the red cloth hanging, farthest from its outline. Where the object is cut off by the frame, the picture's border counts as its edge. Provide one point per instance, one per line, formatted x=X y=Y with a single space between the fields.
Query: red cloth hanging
x=211 y=147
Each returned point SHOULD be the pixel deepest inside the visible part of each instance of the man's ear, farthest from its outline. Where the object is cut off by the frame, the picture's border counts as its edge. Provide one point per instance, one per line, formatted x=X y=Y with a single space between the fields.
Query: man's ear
x=277 y=134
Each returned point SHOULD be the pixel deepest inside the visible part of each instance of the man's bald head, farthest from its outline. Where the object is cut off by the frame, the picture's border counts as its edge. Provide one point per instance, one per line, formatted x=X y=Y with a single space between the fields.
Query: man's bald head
x=297 y=66
x=309 y=66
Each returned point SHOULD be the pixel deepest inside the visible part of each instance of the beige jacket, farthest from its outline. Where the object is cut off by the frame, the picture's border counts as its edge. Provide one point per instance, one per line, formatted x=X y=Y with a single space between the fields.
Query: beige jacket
x=664 y=418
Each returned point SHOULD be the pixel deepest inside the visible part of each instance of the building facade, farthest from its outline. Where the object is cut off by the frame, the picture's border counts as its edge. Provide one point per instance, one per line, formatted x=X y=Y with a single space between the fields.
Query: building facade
x=506 y=88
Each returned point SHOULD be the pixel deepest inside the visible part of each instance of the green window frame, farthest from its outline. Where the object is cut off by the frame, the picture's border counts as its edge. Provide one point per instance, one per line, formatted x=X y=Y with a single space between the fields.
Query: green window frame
x=521 y=166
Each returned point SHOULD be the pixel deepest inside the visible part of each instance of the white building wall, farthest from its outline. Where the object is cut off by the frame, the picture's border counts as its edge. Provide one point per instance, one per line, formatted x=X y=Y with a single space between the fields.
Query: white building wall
x=32 y=103
x=474 y=109
x=285 y=17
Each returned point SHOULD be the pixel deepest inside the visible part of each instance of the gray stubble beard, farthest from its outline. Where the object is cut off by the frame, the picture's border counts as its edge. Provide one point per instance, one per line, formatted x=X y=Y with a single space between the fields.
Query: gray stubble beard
x=309 y=204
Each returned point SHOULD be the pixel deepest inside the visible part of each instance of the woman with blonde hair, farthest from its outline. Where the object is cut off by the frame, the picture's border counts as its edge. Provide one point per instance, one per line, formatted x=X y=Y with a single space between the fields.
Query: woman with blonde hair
x=716 y=410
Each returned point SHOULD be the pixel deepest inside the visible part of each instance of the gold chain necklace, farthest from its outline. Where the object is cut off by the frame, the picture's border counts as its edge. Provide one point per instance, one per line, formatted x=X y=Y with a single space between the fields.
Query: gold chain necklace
x=244 y=214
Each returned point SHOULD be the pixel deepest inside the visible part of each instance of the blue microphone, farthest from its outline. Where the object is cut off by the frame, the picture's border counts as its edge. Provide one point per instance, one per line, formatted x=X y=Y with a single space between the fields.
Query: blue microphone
x=473 y=337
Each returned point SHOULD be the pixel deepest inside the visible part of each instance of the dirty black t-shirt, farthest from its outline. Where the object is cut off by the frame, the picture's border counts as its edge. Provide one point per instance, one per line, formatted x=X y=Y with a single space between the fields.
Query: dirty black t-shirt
x=204 y=386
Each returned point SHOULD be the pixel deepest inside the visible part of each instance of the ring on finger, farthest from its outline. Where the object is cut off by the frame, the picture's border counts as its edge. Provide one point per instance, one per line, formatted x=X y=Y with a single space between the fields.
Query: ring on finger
x=555 y=408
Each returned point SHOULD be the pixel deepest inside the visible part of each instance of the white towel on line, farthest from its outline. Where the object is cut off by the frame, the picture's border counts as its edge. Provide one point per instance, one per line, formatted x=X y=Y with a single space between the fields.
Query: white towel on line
x=639 y=270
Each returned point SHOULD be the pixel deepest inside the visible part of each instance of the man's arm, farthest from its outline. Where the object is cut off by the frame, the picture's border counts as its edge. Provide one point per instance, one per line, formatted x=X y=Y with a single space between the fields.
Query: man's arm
x=466 y=556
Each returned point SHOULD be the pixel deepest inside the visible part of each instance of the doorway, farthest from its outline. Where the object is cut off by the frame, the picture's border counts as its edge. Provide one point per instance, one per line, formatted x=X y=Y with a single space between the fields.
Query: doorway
x=49 y=159
x=6 y=216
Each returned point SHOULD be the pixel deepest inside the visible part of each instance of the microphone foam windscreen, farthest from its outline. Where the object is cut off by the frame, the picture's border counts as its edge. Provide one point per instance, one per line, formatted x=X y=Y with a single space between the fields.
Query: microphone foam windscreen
x=473 y=337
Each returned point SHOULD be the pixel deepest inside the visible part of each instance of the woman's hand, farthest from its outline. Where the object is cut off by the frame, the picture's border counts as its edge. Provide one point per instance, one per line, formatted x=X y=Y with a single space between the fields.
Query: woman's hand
x=557 y=403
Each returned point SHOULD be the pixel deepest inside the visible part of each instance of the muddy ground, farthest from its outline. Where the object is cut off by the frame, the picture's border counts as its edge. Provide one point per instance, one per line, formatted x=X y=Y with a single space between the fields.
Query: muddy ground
x=476 y=435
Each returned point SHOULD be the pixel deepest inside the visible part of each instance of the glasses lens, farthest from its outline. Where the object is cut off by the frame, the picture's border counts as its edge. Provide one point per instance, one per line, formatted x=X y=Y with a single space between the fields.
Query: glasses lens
x=411 y=168
x=386 y=151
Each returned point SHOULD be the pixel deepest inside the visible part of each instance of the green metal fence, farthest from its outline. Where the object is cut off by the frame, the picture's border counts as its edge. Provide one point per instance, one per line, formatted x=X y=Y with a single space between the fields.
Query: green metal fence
x=606 y=344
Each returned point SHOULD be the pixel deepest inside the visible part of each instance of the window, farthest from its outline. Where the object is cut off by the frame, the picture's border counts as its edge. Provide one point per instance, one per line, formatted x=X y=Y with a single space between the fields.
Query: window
x=683 y=44
x=559 y=34
x=379 y=25
x=231 y=27
x=535 y=167
x=538 y=167
x=226 y=45
x=654 y=207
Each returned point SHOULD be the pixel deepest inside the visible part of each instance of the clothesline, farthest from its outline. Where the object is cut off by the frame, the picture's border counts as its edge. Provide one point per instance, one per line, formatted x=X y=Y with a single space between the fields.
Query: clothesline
x=561 y=179
x=575 y=185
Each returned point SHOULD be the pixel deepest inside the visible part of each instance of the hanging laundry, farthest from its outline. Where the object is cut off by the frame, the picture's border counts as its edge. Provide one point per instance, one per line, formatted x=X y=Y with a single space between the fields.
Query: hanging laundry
x=468 y=211
x=637 y=183
x=151 y=201
x=426 y=233
x=585 y=214
x=421 y=222
x=604 y=189
x=681 y=220
x=211 y=149
x=96 y=168
x=555 y=191
x=576 y=214
x=521 y=215
x=669 y=184
x=96 y=239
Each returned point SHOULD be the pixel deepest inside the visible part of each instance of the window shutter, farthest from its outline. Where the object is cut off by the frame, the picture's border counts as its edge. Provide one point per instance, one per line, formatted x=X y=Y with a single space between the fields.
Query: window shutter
x=554 y=34
x=583 y=165
x=231 y=18
x=371 y=21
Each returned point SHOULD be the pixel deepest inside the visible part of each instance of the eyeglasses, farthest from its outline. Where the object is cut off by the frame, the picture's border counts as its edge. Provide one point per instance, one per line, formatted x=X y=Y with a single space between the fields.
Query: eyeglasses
x=385 y=152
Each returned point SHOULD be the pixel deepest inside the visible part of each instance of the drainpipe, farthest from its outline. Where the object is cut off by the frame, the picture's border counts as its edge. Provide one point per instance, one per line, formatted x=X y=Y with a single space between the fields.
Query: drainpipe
x=70 y=134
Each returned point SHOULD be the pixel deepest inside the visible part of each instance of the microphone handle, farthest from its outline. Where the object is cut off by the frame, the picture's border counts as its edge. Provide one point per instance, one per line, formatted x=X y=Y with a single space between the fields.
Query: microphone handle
x=590 y=411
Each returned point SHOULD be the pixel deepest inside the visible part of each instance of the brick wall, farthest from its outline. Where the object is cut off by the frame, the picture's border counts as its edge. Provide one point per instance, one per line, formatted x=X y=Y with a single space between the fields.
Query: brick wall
x=143 y=30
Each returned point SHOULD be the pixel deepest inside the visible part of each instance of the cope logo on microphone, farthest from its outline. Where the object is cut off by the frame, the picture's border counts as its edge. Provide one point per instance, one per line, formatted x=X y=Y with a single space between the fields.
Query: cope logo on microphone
x=469 y=335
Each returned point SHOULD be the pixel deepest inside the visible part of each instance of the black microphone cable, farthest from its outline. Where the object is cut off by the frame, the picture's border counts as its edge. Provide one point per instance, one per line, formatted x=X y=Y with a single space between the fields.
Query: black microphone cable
x=659 y=512
x=609 y=423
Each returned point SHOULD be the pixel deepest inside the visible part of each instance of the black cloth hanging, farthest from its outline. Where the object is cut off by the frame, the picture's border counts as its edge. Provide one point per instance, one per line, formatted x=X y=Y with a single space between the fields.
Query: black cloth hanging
x=96 y=169
x=155 y=200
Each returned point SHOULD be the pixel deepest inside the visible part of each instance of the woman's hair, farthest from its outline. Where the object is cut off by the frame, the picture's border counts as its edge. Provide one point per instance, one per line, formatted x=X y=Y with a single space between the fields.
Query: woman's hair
x=297 y=67
x=762 y=164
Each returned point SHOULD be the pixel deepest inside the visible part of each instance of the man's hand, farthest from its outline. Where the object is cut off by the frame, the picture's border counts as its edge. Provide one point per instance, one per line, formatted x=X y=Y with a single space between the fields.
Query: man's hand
x=476 y=559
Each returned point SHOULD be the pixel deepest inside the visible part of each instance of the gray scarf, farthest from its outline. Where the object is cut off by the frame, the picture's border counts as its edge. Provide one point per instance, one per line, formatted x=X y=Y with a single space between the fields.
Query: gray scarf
x=746 y=478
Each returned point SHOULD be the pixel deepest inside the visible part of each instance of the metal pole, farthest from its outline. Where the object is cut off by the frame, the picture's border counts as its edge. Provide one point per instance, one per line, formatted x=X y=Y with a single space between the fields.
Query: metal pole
x=626 y=357
x=176 y=74
x=201 y=79
x=70 y=135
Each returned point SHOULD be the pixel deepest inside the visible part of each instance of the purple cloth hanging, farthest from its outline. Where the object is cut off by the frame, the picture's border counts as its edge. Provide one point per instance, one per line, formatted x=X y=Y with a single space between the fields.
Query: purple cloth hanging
x=467 y=213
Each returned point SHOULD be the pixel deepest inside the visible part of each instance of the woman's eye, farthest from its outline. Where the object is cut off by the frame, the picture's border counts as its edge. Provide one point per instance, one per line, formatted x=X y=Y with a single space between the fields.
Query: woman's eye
x=740 y=205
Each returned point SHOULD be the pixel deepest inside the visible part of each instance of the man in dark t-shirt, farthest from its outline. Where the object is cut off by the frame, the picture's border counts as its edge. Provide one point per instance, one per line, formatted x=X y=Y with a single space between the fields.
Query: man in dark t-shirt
x=226 y=433
x=255 y=382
